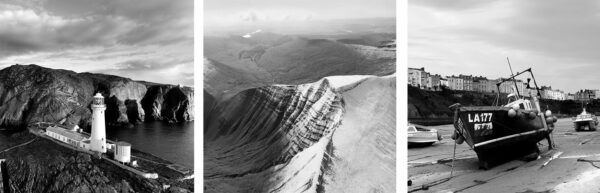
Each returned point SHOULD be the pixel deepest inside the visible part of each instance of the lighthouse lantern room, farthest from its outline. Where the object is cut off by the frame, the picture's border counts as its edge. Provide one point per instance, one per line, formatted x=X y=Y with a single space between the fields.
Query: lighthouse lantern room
x=98 y=138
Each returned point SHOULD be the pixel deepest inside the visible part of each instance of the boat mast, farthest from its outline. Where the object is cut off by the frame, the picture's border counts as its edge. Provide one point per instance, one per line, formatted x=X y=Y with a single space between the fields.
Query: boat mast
x=513 y=78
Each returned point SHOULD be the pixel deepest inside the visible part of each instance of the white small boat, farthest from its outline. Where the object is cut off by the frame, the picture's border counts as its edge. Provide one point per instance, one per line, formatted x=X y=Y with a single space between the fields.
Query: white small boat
x=419 y=135
x=585 y=121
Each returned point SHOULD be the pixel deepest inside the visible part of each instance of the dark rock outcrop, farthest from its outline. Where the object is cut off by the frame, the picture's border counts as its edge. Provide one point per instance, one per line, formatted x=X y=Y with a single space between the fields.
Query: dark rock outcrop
x=152 y=102
x=30 y=93
x=169 y=103
x=178 y=104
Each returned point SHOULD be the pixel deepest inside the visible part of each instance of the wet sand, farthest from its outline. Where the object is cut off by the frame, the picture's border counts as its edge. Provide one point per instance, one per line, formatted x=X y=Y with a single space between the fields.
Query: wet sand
x=432 y=165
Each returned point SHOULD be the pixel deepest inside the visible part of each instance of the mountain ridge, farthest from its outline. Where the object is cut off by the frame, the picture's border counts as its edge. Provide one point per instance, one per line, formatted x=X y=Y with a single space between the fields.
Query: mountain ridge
x=282 y=138
x=233 y=64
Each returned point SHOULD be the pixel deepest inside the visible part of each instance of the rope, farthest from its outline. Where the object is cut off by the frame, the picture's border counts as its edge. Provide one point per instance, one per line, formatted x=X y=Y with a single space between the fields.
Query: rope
x=552 y=139
x=426 y=186
x=589 y=161
x=453 y=158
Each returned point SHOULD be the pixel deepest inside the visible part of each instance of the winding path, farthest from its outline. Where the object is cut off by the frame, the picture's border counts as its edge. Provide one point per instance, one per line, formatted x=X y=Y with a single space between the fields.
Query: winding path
x=22 y=144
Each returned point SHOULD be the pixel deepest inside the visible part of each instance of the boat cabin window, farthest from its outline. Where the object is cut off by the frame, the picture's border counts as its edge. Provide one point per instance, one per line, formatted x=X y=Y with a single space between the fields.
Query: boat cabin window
x=412 y=129
x=422 y=129
x=522 y=104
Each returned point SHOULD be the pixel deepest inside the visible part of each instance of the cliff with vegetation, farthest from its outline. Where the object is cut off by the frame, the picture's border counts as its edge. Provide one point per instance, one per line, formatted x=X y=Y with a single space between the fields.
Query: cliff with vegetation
x=434 y=104
x=30 y=93
x=431 y=106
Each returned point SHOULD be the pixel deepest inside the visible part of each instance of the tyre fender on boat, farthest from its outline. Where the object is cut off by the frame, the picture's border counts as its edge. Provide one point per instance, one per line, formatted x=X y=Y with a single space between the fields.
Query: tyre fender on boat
x=458 y=138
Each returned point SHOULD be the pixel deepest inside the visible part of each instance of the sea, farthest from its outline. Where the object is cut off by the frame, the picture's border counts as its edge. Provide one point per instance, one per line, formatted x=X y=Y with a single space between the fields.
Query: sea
x=171 y=141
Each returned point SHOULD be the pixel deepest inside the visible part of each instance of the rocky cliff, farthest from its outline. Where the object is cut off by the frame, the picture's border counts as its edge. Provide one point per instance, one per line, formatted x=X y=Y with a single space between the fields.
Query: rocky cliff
x=169 y=103
x=270 y=139
x=44 y=166
x=30 y=93
x=178 y=104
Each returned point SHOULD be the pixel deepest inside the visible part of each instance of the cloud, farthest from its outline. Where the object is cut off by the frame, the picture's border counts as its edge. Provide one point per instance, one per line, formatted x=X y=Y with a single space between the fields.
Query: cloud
x=228 y=13
x=80 y=33
x=251 y=17
x=460 y=5
x=475 y=37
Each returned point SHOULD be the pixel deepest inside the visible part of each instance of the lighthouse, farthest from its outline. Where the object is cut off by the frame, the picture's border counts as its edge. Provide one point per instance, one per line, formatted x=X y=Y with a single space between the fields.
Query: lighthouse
x=98 y=138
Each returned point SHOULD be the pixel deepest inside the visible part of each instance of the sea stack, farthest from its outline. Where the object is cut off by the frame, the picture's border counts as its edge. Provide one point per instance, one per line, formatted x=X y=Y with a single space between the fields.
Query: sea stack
x=98 y=138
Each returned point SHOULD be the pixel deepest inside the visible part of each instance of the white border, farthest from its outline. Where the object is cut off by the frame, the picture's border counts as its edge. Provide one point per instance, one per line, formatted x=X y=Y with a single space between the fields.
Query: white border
x=198 y=96
x=401 y=95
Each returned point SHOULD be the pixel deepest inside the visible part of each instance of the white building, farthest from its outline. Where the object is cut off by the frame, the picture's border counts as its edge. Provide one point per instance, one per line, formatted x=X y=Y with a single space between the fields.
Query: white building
x=482 y=84
x=444 y=82
x=123 y=152
x=455 y=83
x=417 y=77
x=434 y=82
x=509 y=86
x=98 y=138
x=66 y=136
x=467 y=82
x=549 y=93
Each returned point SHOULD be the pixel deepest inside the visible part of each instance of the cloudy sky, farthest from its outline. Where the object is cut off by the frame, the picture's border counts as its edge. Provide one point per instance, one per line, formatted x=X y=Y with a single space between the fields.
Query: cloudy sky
x=559 y=39
x=141 y=39
x=226 y=13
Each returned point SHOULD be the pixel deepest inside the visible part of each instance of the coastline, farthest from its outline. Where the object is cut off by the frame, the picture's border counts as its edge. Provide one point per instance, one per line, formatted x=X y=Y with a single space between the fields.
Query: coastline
x=35 y=154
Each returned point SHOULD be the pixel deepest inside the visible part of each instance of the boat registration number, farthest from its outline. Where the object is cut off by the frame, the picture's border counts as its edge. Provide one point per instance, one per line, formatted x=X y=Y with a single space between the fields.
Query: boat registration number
x=483 y=126
x=480 y=117
x=482 y=123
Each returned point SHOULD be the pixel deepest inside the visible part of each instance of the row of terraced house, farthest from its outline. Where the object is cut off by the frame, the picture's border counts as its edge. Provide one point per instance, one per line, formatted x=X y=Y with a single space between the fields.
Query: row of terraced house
x=418 y=77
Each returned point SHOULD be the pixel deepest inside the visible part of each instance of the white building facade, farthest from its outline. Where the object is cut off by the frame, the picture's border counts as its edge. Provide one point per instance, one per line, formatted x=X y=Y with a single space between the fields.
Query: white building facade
x=455 y=83
x=66 y=136
x=417 y=77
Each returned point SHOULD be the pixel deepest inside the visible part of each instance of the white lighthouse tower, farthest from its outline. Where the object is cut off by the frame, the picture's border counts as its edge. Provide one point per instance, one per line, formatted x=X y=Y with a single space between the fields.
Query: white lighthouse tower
x=98 y=138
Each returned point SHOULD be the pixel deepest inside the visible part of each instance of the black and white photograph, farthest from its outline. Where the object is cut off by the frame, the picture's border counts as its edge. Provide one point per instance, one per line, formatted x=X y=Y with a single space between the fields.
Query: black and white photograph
x=503 y=96
x=96 y=96
x=299 y=96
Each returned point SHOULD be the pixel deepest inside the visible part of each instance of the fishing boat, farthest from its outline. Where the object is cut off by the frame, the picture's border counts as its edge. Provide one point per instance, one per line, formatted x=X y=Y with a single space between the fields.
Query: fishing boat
x=585 y=122
x=501 y=133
